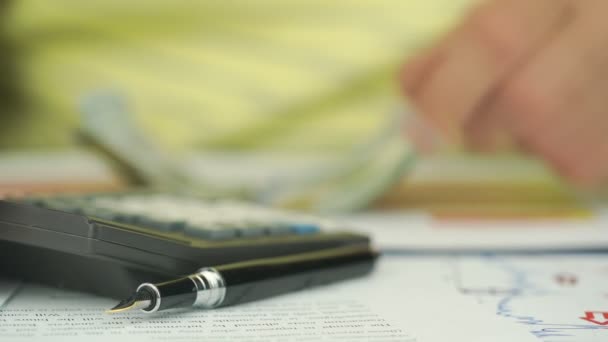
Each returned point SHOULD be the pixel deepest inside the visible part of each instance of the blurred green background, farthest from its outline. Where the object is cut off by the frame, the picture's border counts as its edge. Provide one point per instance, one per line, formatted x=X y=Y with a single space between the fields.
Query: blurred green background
x=300 y=78
x=225 y=74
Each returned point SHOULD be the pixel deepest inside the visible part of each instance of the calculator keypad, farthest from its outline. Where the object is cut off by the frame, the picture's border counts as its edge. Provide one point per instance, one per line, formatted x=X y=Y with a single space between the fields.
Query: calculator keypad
x=193 y=217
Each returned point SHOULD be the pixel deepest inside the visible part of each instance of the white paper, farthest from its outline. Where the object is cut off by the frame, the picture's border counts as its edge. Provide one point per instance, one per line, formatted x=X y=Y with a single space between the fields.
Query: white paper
x=403 y=300
x=417 y=232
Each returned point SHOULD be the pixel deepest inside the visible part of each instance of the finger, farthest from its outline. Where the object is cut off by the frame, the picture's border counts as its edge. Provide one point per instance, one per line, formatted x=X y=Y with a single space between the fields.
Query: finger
x=590 y=37
x=487 y=131
x=491 y=43
x=421 y=134
x=417 y=69
x=556 y=103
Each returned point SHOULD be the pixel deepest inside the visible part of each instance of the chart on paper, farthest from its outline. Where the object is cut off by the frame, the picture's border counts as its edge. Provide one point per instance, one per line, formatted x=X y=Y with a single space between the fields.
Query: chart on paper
x=560 y=298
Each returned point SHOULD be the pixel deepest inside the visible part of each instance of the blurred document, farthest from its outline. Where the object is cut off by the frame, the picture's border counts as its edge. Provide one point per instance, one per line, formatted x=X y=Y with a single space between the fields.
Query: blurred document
x=403 y=300
x=419 y=232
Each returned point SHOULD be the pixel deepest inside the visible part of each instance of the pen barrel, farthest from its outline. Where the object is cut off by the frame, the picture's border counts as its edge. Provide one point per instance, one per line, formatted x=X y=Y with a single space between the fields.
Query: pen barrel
x=259 y=279
x=179 y=293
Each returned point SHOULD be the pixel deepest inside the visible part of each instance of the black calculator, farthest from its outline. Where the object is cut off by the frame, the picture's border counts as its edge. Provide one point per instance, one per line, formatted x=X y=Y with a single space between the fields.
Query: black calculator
x=108 y=244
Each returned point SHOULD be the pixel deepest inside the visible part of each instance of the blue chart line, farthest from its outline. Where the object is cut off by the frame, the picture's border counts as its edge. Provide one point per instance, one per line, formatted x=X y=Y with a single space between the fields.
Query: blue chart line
x=523 y=287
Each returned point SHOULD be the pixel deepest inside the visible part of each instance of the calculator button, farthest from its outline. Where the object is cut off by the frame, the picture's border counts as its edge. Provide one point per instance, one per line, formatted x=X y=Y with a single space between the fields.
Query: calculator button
x=254 y=230
x=279 y=229
x=305 y=228
x=210 y=232
x=177 y=226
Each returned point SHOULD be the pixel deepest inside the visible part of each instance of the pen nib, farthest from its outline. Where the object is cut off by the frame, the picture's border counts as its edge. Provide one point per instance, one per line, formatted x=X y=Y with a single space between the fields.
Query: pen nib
x=139 y=300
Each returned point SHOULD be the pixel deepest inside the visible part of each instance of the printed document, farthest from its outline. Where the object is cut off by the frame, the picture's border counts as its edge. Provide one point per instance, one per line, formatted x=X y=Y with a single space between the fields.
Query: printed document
x=405 y=299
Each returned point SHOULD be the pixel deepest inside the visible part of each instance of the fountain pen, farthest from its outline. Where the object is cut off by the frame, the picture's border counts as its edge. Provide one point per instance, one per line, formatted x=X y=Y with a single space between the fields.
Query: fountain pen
x=246 y=281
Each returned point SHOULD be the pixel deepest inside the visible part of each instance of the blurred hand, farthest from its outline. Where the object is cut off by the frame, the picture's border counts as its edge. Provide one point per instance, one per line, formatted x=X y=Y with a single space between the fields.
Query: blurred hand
x=535 y=71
